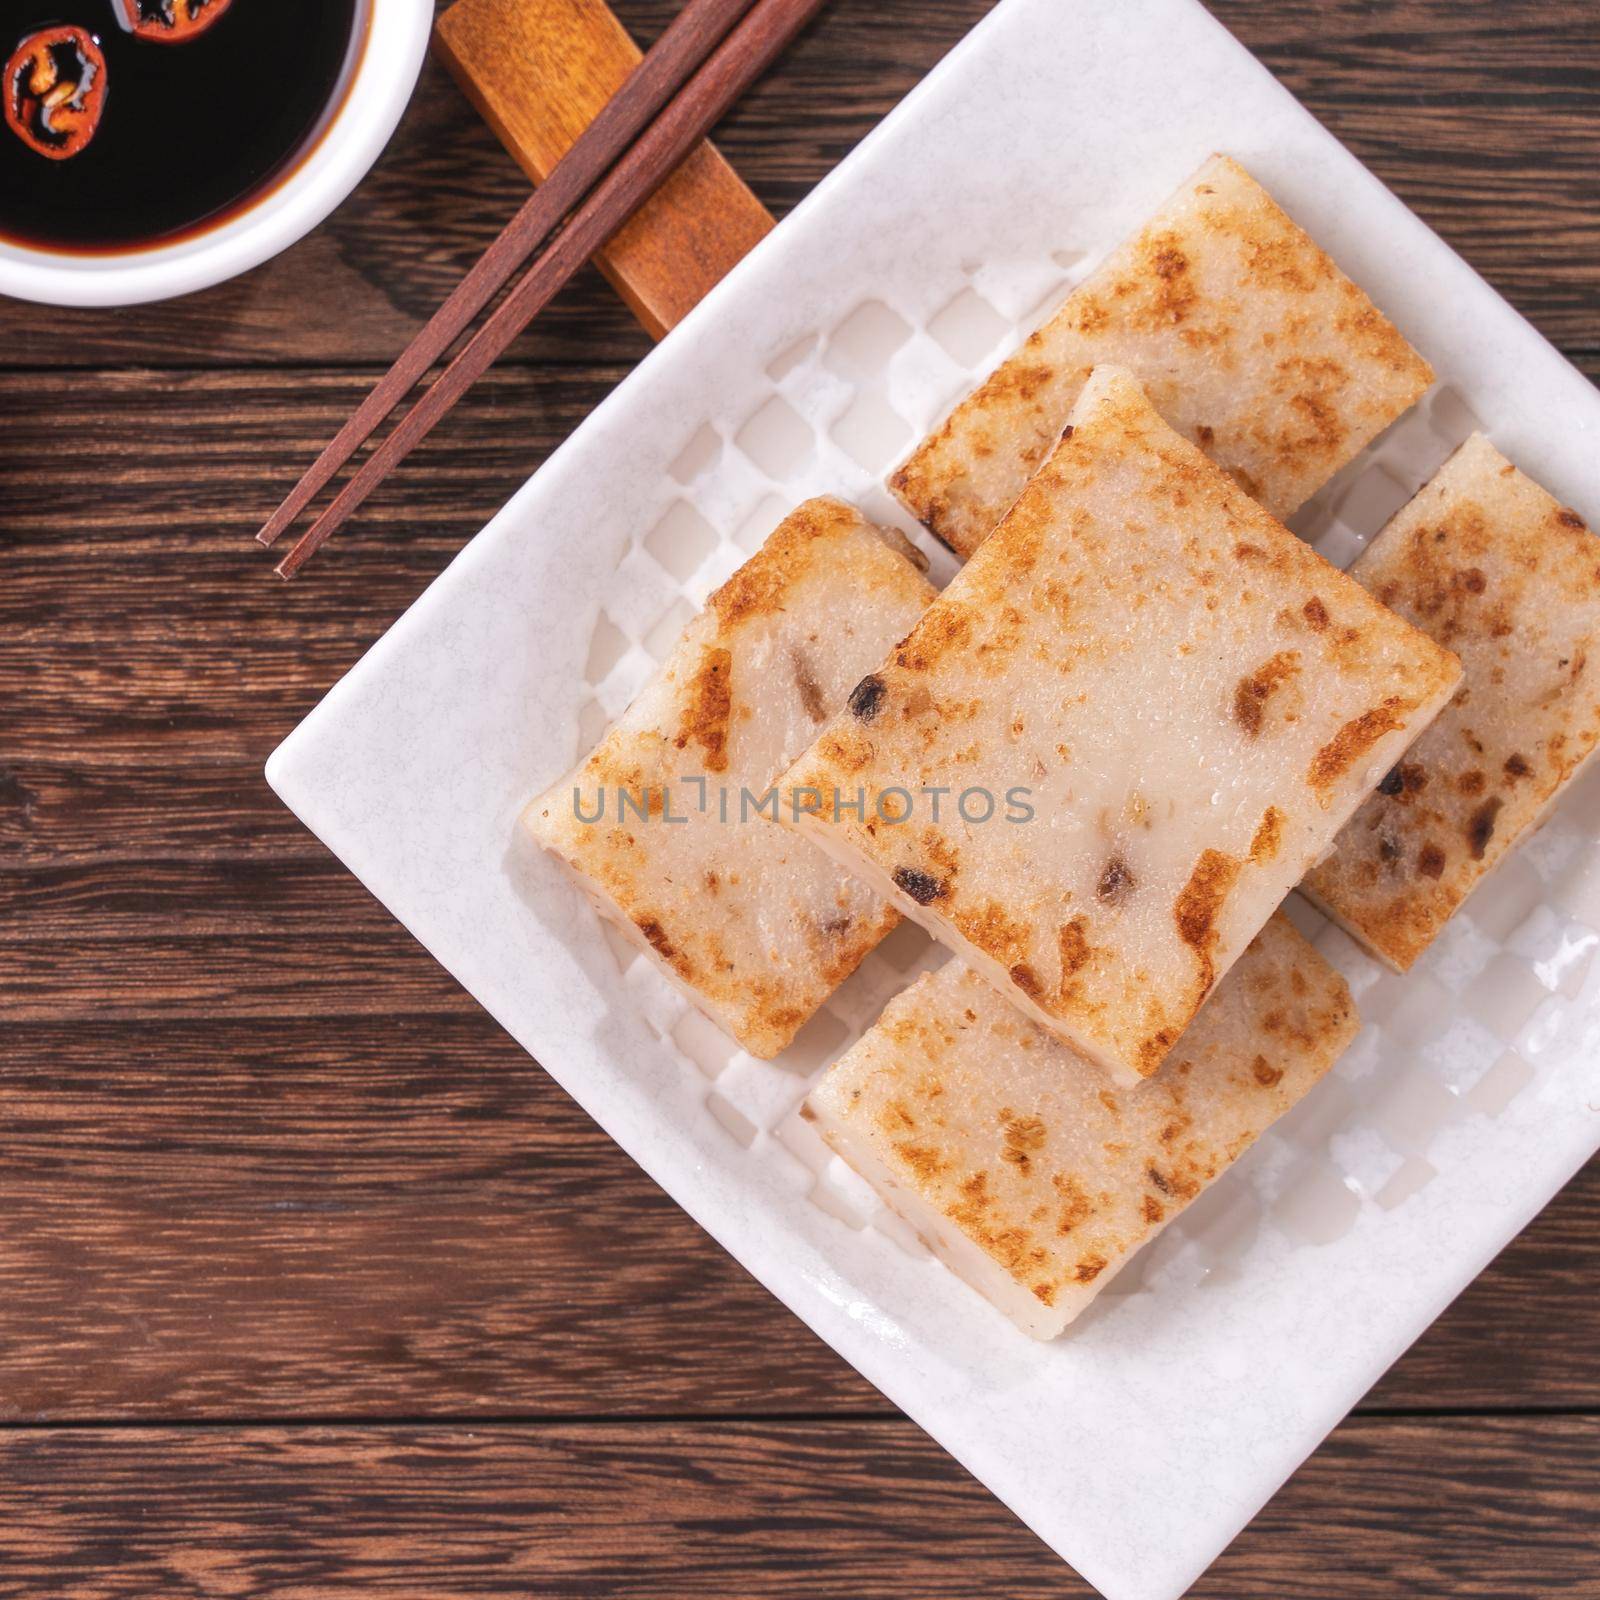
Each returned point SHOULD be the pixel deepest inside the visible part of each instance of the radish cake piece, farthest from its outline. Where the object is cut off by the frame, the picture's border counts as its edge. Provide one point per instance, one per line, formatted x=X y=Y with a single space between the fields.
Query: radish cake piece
x=1023 y=1168
x=1499 y=571
x=667 y=823
x=1187 y=700
x=1249 y=340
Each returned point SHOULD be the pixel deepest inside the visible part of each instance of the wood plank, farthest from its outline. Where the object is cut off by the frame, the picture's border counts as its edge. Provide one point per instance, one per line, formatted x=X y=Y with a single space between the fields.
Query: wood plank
x=1458 y=1508
x=395 y=1214
x=539 y=72
x=1480 y=113
x=179 y=976
x=177 y=940
x=115 y=902
x=59 y=813
x=143 y=626
x=193 y=454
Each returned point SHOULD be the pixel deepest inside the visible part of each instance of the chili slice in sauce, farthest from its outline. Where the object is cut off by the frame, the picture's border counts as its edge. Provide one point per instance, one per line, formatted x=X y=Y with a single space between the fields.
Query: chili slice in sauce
x=55 y=91
x=170 y=21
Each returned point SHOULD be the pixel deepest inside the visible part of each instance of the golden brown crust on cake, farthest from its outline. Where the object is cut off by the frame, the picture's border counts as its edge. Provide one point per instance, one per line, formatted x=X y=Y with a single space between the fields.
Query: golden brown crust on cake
x=761 y=586
x=1249 y=339
x=755 y=925
x=1194 y=726
x=1024 y=1167
x=1496 y=569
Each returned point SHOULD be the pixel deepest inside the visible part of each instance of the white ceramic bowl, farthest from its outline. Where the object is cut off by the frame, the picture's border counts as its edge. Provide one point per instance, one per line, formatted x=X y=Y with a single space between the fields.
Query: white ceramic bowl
x=384 y=79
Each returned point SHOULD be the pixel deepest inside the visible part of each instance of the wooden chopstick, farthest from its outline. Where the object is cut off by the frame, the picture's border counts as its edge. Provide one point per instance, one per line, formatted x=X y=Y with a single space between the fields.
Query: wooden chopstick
x=741 y=58
x=758 y=39
x=691 y=37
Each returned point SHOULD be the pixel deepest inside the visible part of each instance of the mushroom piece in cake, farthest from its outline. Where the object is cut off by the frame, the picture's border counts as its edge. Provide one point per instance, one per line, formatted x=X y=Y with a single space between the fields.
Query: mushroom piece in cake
x=1120 y=737
x=1500 y=572
x=668 y=823
x=1023 y=1167
x=1247 y=337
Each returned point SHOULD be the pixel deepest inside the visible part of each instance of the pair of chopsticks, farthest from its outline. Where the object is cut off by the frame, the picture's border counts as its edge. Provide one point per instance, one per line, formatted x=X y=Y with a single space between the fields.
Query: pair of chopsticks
x=712 y=52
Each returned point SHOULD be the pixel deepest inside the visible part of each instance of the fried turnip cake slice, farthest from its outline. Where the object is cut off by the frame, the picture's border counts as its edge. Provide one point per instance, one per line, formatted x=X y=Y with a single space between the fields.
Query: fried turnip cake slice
x=1190 y=701
x=1249 y=340
x=1023 y=1167
x=1499 y=571
x=756 y=926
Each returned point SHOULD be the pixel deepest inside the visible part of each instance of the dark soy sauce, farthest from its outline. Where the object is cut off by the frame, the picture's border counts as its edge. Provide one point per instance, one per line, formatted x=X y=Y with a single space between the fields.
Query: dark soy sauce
x=191 y=133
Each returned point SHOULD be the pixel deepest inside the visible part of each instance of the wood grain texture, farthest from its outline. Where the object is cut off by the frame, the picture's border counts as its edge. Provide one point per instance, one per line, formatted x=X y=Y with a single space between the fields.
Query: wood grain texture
x=538 y=71
x=1440 y=1510
x=260 y=1160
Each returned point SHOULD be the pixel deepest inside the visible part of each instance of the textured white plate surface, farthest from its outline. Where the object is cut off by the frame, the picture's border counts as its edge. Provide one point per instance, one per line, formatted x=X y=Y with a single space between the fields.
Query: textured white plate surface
x=1140 y=1444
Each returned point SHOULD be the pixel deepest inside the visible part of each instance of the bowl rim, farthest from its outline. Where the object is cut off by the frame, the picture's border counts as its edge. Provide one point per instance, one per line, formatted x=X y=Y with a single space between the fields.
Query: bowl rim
x=385 y=77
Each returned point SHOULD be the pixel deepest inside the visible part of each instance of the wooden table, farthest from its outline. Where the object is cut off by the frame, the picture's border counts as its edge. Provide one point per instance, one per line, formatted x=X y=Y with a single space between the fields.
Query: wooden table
x=311 y=1283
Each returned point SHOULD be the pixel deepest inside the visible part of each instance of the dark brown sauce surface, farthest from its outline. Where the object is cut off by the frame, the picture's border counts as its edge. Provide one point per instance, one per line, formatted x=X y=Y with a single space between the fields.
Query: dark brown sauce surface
x=191 y=132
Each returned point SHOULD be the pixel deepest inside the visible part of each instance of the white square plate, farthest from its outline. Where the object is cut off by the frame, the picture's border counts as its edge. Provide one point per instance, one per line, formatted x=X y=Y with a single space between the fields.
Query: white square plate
x=1142 y=1442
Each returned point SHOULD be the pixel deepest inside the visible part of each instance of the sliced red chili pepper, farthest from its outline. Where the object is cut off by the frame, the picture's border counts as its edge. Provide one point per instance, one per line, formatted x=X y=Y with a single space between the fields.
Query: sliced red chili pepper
x=170 y=21
x=55 y=91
